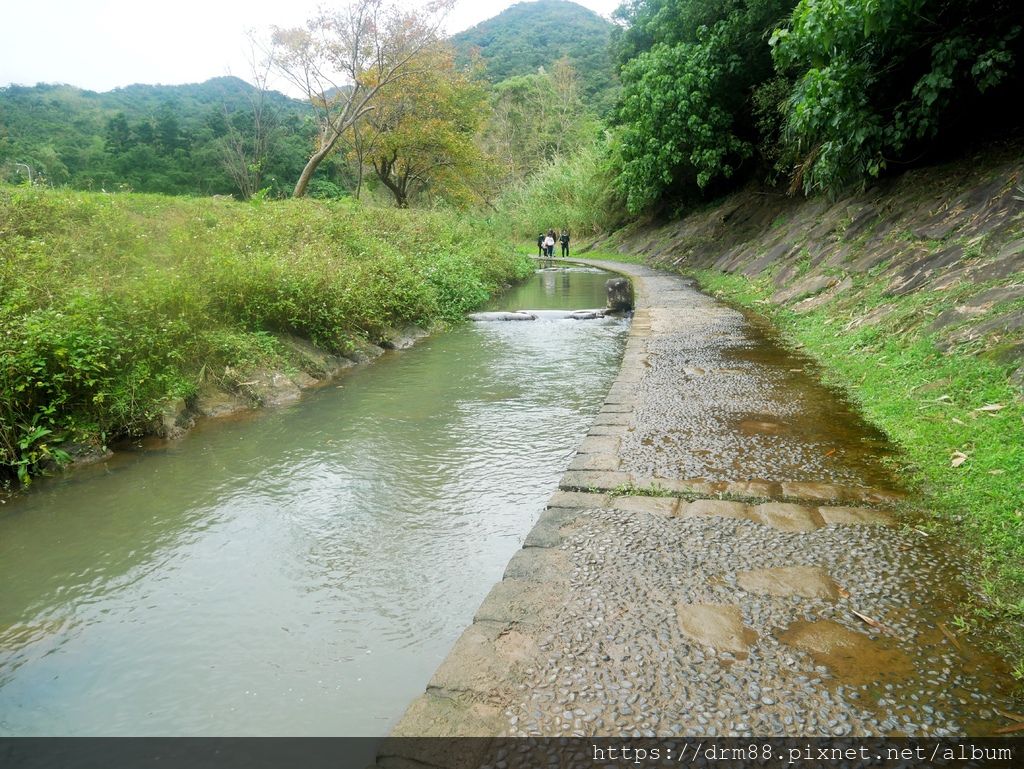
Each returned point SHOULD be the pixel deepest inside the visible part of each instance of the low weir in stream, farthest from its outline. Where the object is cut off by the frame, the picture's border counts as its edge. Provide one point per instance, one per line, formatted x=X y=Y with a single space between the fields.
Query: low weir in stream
x=304 y=570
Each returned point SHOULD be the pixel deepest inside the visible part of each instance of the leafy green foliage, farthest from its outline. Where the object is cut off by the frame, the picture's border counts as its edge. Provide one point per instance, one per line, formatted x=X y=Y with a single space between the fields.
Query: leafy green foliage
x=880 y=79
x=112 y=304
x=536 y=118
x=839 y=91
x=528 y=37
x=573 y=192
x=169 y=139
x=688 y=70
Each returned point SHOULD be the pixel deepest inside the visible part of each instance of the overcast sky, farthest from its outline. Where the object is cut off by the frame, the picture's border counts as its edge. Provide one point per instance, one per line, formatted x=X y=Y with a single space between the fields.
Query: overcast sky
x=104 y=44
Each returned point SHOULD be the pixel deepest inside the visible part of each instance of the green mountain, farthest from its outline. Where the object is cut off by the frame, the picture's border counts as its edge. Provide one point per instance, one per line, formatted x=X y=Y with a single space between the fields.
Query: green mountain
x=527 y=36
x=150 y=138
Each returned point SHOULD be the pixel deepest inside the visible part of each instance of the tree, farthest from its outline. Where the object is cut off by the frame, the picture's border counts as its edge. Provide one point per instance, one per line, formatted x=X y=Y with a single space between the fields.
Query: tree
x=245 y=145
x=343 y=60
x=880 y=81
x=420 y=135
x=168 y=130
x=534 y=118
x=689 y=70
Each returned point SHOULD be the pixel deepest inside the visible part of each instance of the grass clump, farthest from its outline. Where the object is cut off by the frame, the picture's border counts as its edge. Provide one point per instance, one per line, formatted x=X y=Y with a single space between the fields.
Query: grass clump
x=112 y=304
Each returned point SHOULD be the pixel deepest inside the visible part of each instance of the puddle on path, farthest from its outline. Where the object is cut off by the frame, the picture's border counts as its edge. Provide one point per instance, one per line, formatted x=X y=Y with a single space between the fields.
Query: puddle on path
x=736 y=405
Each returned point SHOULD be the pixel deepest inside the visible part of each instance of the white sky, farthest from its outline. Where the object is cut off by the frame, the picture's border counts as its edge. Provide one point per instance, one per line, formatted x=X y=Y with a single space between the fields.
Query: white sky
x=104 y=44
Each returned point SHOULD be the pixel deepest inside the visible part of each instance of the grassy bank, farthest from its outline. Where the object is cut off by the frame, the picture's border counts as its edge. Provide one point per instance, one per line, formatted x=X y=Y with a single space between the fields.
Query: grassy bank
x=956 y=417
x=112 y=304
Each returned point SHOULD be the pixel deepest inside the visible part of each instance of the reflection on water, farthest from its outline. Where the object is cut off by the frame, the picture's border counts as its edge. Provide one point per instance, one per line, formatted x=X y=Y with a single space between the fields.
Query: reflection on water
x=302 y=572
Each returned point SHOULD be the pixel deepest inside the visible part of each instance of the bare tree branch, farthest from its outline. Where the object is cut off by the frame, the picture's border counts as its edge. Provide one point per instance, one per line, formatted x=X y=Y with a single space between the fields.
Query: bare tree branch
x=342 y=60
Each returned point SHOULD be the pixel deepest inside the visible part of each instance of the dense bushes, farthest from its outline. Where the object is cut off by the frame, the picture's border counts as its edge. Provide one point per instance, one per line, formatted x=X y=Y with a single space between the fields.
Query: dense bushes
x=688 y=70
x=828 y=92
x=882 y=79
x=111 y=304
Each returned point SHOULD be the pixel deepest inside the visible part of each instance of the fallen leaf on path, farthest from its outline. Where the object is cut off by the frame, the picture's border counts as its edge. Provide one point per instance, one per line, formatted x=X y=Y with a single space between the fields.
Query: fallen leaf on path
x=949 y=634
x=1012 y=716
x=872 y=622
x=843 y=592
x=992 y=407
x=996 y=472
x=958 y=459
x=922 y=532
x=963 y=424
x=830 y=453
x=1011 y=728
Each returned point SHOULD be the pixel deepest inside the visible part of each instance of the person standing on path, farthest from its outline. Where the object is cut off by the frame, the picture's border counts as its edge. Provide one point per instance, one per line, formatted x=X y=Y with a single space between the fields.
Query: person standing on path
x=540 y=246
x=549 y=244
x=564 y=240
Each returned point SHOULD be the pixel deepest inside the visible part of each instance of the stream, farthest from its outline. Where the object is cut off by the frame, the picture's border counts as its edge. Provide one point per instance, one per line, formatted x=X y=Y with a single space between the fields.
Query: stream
x=303 y=570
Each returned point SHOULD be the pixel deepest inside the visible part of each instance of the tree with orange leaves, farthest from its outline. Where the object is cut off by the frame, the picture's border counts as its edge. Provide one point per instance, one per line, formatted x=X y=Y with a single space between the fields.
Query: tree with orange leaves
x=421 y=135
x=345 y=60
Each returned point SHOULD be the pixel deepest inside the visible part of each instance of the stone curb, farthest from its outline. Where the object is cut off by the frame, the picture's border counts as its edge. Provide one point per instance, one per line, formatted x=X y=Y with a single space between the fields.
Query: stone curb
x=494 y=654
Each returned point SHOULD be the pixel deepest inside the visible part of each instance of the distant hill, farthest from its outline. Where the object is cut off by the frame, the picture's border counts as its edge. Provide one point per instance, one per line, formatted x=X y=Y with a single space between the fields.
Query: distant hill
x=530 y=35
x=151 y=138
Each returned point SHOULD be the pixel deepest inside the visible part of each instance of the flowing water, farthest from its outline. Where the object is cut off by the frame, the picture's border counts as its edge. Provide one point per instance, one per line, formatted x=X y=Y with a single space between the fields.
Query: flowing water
x=303 y=571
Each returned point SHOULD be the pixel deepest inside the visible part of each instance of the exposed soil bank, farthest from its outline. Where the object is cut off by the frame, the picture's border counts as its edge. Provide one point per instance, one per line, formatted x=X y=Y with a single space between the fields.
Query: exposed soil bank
x=316 y=367
x=709 y=568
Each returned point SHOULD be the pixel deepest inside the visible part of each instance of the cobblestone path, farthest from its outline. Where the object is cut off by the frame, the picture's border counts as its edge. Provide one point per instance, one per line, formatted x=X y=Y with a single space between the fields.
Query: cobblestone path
x=722 y=558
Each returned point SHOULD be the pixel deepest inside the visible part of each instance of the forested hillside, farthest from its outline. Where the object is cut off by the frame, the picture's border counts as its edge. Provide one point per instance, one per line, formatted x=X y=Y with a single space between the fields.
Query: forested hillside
x=529 y=36
x=452 y=132
x=187 y=139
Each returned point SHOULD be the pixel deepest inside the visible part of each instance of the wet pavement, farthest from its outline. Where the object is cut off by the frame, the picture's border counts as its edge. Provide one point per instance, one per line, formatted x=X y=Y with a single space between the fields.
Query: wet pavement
x=723 y=558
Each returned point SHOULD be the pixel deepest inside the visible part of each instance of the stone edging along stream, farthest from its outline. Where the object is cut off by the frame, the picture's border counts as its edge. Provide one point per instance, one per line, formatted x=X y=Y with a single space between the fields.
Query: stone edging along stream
x=465 y=694
x=456 y=702
x=648 y=605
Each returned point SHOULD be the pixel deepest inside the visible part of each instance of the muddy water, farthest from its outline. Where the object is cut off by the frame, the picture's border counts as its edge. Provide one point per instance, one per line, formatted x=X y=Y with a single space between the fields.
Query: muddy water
x=302 y=572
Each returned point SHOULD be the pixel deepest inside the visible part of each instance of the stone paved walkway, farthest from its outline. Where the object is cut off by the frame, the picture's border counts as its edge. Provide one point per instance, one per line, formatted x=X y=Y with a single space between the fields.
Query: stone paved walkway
x=721 y=559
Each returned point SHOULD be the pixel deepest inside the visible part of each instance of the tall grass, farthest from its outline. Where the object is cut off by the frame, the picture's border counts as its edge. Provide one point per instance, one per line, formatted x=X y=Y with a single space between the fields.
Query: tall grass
x=571 y=192
x=111 y=304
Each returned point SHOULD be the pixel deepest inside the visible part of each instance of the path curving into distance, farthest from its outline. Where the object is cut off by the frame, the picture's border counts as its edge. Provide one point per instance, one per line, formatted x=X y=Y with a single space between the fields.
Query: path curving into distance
x=722 y=558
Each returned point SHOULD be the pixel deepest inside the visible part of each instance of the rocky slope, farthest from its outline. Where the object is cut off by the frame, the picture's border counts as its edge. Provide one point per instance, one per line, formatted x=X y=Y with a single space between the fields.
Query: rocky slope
x=938 y=252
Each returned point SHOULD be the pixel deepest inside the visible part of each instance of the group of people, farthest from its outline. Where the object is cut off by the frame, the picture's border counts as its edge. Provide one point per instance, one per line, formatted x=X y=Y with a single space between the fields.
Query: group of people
x=546 y=244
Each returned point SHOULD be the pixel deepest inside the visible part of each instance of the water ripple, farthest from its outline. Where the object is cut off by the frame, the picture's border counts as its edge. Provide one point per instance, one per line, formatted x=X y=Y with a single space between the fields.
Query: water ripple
x=303 y=572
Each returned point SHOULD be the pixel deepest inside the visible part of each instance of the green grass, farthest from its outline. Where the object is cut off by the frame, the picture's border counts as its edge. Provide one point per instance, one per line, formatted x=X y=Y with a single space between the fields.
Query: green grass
x=112 y=304
x=632 y=490
x=932 y=405
x=608 y=256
